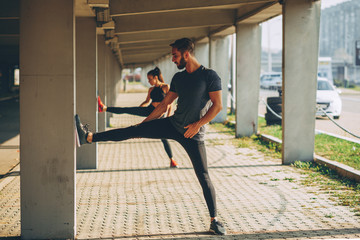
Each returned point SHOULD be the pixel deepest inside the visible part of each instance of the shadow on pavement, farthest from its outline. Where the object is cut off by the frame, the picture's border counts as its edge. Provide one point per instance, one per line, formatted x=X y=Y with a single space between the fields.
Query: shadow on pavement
x=80 y=171
x=303 y=234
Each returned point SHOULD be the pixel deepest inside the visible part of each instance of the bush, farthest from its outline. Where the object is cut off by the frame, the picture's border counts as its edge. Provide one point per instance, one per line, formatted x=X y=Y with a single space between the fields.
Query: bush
x=338 y=83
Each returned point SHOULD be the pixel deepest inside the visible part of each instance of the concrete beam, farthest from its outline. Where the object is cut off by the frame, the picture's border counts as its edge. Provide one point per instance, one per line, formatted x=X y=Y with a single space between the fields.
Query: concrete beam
x=144 y=57
x=47 y=109
x=248 y=63
x=109 y=25
x=262 y=14
x=258 y=13
x=82 y=9
x=301 y=23
x=130 y=7
x=145 y=45
x=169 y=35
x=98 y=3
x=137 y=64
x=222 y=31
x=174 y=20
x=152 y=50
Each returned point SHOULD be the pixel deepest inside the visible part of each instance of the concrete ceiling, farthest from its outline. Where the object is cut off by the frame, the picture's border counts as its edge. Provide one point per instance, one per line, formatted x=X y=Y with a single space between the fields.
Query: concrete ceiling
x=139 y=31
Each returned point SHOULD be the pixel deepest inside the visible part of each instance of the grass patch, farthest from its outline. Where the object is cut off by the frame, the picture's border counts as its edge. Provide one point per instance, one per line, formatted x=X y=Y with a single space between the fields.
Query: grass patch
x=289 y=179
x=344 y=191
x=338 y=150
x=329 y=147
x=273 y=130
x=356 y=88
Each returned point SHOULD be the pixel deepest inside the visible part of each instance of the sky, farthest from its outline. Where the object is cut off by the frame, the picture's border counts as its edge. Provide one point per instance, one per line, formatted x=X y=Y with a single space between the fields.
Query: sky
x=272 y=30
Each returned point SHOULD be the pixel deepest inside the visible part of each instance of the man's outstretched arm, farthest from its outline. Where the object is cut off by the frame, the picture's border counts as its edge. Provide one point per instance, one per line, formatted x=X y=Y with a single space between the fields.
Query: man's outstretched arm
x=193 y=128
x=162 y=107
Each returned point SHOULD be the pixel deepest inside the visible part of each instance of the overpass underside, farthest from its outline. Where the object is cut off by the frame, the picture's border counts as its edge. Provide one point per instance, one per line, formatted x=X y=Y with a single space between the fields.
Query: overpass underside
x=71 y=51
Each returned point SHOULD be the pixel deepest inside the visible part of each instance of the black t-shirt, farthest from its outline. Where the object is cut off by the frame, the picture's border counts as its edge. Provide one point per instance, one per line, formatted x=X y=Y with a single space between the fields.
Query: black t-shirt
x=157 y=94
x=194 y=100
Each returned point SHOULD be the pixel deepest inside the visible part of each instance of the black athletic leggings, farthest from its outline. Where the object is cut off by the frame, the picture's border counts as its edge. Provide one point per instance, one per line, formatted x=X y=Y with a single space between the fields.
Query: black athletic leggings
x=143 y=112
x=163 y=129
x=138 y=111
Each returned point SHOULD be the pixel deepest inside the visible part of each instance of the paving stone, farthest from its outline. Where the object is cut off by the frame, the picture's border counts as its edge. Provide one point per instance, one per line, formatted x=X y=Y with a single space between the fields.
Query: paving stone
x=135 y=195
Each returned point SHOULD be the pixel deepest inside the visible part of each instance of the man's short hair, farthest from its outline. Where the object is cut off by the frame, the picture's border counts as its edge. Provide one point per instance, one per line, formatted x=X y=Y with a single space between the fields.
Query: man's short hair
x=183 y=44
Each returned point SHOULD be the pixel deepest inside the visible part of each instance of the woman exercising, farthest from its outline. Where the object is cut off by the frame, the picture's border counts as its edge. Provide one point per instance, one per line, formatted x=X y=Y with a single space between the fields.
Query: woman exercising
x=155 y=95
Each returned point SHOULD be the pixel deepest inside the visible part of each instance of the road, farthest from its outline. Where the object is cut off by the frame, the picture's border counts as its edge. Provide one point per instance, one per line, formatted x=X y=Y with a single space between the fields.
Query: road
x=349 y=118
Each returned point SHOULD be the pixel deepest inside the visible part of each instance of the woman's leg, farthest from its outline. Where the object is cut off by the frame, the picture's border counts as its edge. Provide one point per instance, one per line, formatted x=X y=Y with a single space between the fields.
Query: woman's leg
x=167 y=147
x=173 y=163
x=197 y=153
x=138 y=111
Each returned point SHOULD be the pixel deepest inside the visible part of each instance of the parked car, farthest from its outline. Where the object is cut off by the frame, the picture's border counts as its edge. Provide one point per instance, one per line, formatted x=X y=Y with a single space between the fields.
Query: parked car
x=272 y=81
x=328 y=98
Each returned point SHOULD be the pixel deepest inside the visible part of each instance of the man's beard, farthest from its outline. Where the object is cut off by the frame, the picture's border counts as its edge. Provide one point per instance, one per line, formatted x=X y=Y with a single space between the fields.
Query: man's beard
x=182 y=63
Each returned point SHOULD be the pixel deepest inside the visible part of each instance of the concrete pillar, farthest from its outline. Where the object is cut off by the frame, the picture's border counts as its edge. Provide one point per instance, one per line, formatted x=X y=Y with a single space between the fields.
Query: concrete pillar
x=117 y=79
x=160 y=65
x=86 y=86
x=301 y=21
x=101 y=80
x=220 y=62
x=202 y=53
x=146 y=70
x=171 y=69
x=114 y=68
x=248 y=63
x=108 y=95
x=143 y=75
x=47 y=109
x=166 y=68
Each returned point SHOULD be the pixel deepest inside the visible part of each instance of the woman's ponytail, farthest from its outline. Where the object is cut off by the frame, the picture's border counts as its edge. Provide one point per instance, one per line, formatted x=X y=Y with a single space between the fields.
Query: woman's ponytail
x=156 y=72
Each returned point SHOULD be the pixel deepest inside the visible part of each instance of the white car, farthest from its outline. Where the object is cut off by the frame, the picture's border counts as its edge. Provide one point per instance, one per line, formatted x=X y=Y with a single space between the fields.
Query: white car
x=327 y=98
x=271 y=81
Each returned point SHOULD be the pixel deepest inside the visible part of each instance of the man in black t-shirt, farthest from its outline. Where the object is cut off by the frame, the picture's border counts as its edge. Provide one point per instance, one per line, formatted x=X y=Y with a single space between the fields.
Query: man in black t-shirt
x=198 y=90
x=193 y=90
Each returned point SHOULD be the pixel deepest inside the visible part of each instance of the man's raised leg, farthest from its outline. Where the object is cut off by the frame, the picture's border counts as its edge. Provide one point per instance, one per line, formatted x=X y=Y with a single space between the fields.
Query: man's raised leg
x=155 y=129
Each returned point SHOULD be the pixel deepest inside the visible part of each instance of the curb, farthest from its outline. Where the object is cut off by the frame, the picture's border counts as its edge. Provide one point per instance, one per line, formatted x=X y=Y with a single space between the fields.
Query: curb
x=341 y=169
x=337 y=136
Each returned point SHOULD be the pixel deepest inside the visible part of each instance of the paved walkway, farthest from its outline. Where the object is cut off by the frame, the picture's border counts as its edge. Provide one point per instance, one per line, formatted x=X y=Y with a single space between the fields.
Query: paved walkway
x=9 y=133
x=134 y=195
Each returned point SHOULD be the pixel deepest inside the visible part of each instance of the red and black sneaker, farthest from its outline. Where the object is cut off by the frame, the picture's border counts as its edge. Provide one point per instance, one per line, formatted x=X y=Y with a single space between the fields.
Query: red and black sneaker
x=100 y=105
x=173 y=164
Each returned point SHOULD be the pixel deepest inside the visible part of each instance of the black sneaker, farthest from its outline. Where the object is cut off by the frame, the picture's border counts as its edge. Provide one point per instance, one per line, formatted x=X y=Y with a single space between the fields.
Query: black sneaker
x=81 y=130
x=217 y=228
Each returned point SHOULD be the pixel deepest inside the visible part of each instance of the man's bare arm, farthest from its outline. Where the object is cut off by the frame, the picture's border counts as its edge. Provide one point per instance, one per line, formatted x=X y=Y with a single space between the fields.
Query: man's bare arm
x=162 y=107
x=193 y=128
